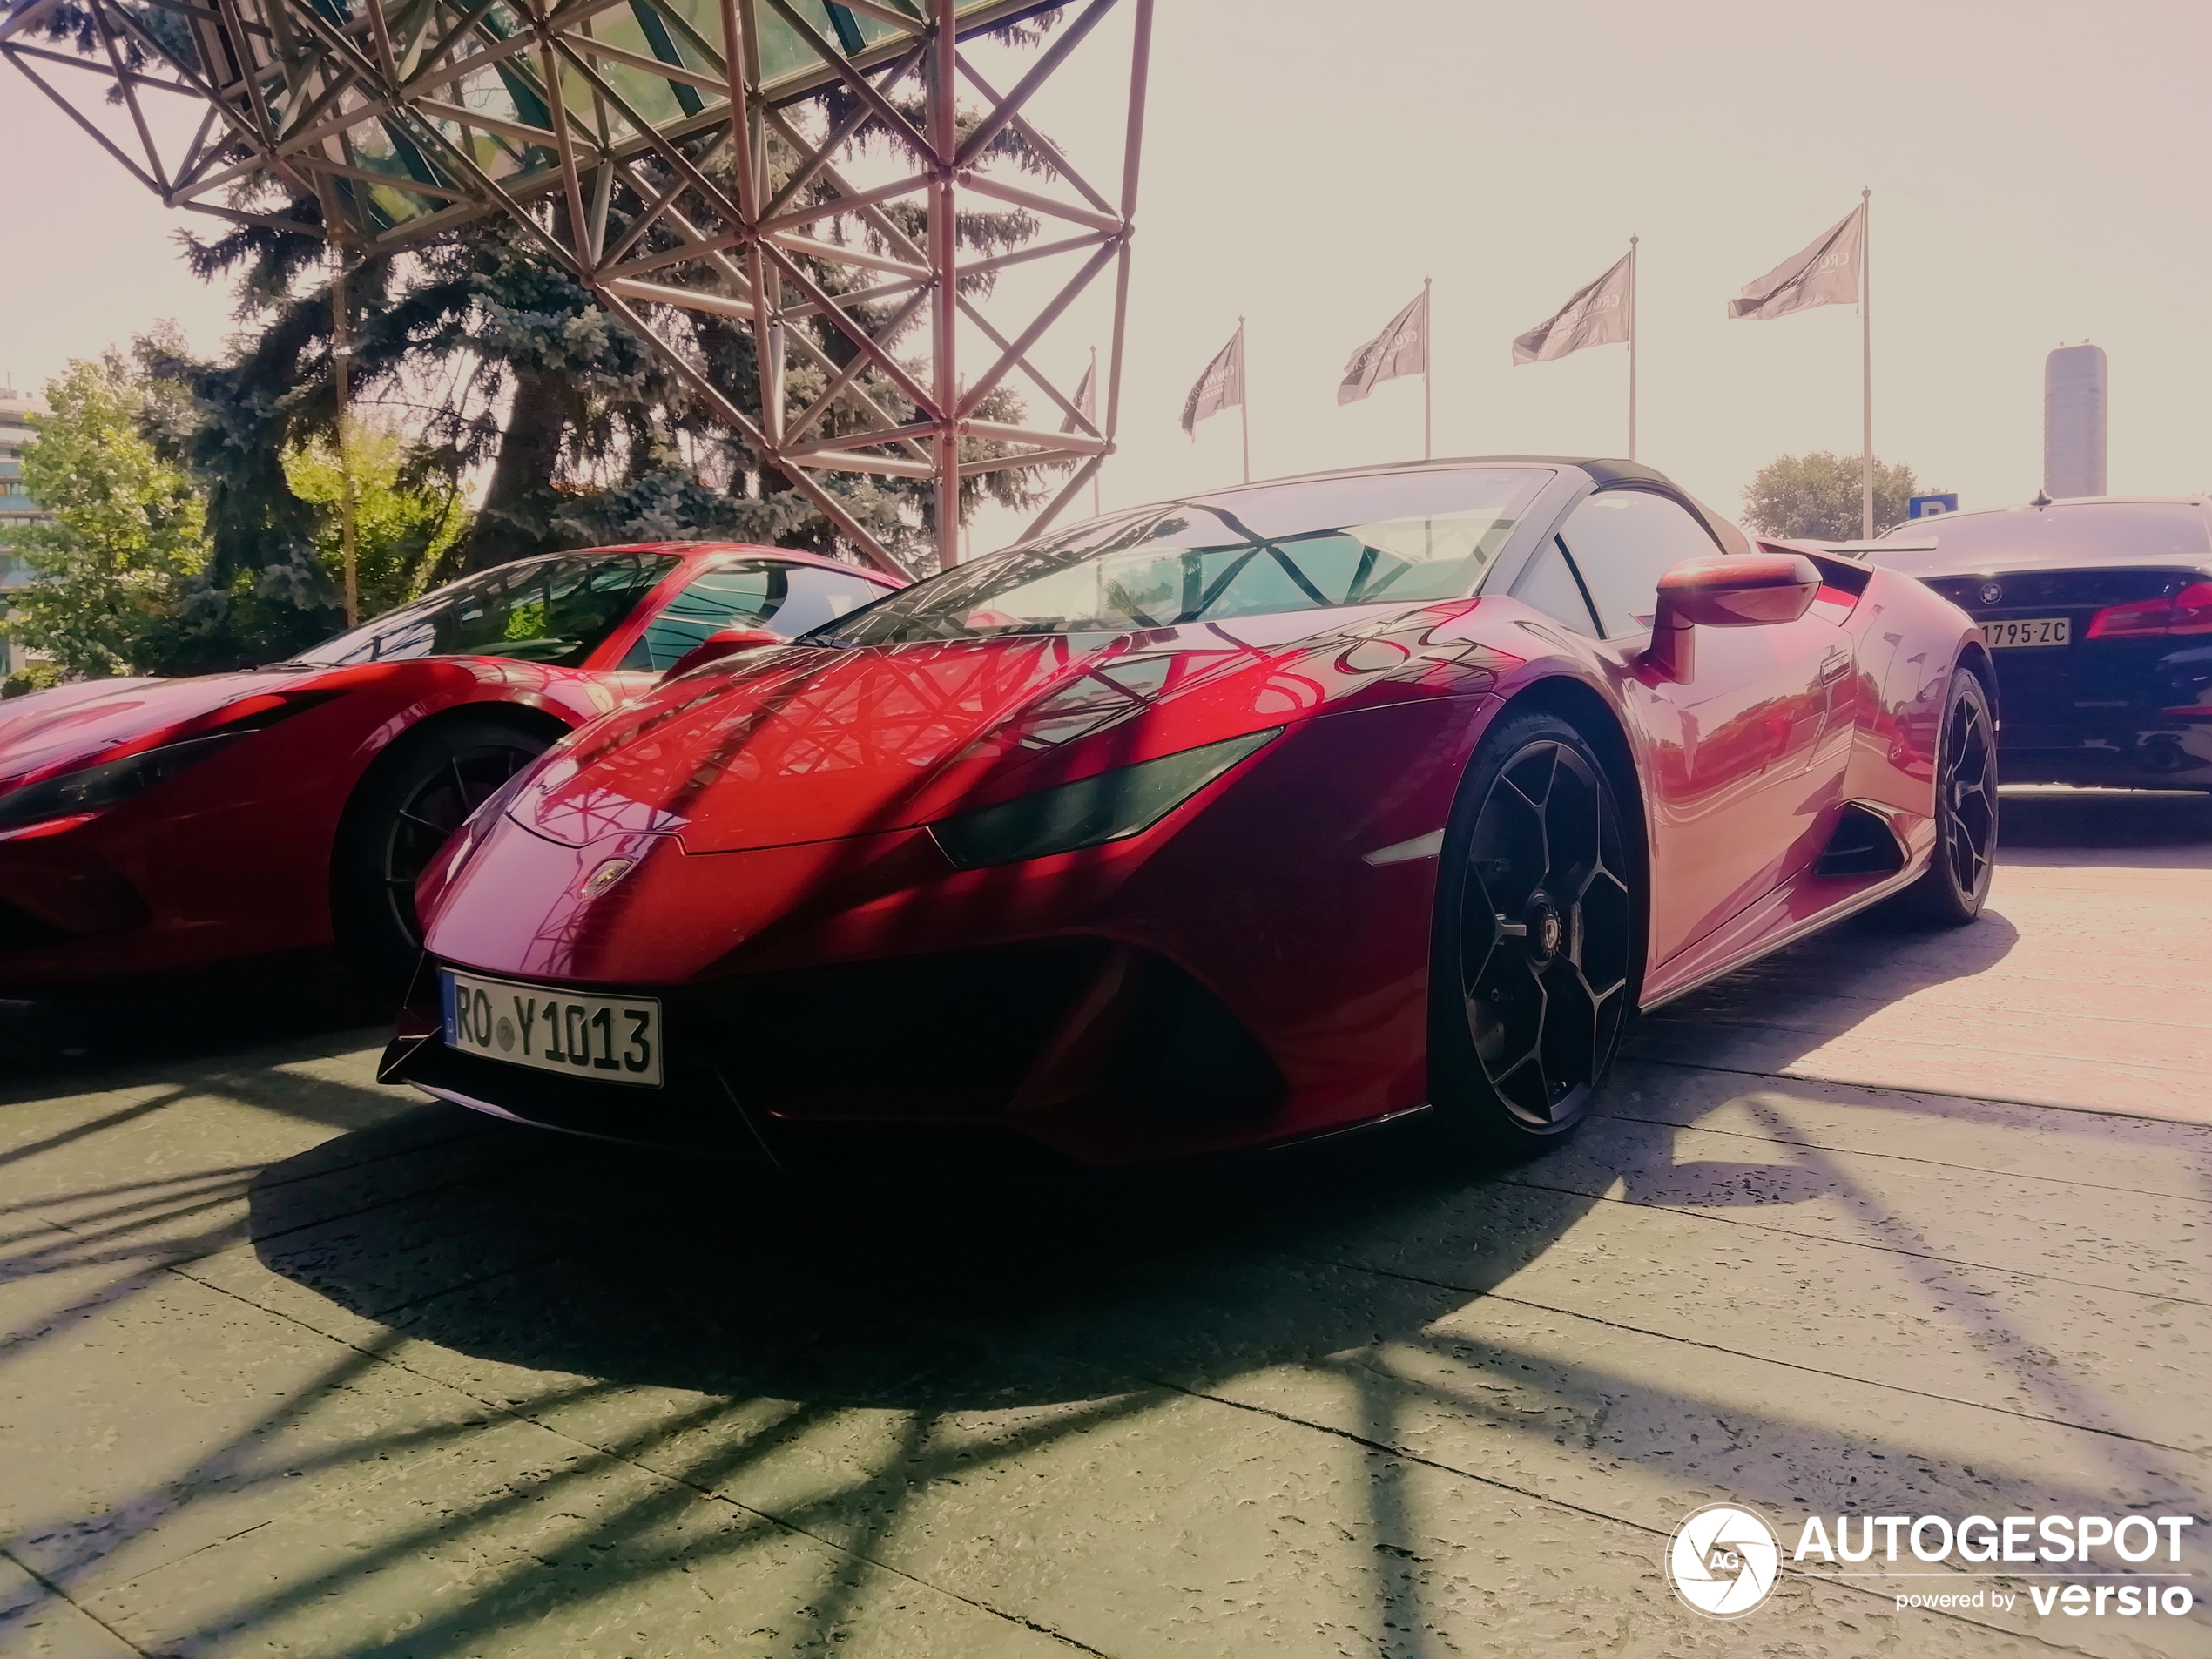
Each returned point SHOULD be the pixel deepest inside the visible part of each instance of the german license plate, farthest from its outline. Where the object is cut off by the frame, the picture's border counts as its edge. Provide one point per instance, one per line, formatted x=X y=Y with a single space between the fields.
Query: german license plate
x=2033 y=631
x=612 y=1039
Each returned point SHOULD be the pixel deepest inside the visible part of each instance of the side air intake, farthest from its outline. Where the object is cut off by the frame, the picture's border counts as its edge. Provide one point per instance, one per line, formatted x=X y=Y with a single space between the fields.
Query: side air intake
x=1862 y=844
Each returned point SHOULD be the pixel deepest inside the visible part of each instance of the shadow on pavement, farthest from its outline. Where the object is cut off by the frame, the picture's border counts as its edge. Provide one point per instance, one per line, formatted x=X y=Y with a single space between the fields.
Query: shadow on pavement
x=869 y=1295
x=58 y=1041
x=1817 y=990
x=863 y=1364
x=1772 y=1014
x=885 y=1343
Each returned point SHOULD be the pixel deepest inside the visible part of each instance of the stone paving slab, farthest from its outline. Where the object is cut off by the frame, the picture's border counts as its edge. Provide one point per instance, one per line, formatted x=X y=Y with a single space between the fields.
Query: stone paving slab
x=292 y=1365
x=2083 y=984
x=38 y=1623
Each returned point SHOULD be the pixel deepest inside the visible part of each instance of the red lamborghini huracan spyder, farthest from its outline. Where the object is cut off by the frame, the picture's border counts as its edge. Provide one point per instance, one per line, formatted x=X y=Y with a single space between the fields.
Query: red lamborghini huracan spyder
x=1219 y=823
x=149 y=826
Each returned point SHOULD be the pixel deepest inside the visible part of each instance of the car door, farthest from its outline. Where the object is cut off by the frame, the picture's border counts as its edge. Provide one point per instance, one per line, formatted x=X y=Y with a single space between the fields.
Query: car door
x=1740 y=779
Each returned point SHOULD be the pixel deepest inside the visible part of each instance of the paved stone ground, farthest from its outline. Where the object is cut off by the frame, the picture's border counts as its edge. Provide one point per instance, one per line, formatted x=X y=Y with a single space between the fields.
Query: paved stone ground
x=290 y=1365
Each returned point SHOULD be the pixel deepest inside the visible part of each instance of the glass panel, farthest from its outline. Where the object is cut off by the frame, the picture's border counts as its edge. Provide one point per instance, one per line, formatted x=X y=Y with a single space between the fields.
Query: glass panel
x=1549 y=586
x=785 y=55
x=555 y=610
x=1317 y=545
x=748 y=593
x=1621 y=540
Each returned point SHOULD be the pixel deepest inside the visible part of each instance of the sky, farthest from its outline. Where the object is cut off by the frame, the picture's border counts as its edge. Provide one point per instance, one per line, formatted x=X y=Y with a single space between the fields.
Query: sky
x=2038 y=173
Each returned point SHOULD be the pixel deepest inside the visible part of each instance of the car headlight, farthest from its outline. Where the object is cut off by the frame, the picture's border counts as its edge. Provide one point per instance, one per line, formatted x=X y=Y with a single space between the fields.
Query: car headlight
x=96 y=788
x=1109 y=807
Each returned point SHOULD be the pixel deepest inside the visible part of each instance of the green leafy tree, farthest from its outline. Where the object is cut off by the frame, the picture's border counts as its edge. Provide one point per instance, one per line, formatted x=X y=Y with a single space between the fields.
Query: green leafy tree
x=129 y=533
x=1818 y=497
x=401 y=531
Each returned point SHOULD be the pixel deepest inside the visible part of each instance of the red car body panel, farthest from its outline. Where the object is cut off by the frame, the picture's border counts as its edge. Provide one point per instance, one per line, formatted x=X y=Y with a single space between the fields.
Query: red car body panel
x=231 y=858
x=774 y=811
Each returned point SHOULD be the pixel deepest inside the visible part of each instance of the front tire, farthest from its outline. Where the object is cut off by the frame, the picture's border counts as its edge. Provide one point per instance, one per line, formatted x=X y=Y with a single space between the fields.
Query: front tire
x=1956 y=885
x=408 y=808
x=1538 y=940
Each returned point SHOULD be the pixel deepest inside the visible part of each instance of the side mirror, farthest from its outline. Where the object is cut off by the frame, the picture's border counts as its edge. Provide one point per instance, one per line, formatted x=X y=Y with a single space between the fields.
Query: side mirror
x=726 y=643
x=1741 y=591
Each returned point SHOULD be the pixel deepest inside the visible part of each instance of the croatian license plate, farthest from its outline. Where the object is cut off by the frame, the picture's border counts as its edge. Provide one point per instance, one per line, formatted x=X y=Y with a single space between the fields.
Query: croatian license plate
x=2033 y=631
x=612 y=1039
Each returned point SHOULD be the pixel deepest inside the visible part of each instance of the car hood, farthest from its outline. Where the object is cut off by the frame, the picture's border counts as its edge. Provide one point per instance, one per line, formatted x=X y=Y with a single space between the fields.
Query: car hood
x=799 y=744
x=71 y=726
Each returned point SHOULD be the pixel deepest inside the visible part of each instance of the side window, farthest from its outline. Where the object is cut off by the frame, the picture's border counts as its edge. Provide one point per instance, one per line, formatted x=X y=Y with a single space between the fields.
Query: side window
x=1549 y=586
x=747 y=593
x=1621 y=540
x=555 y=610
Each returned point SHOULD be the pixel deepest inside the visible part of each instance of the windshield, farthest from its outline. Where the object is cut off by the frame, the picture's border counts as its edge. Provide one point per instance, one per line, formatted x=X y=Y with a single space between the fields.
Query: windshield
x=1387 y=539
x=2092 y=530
x=556 y=611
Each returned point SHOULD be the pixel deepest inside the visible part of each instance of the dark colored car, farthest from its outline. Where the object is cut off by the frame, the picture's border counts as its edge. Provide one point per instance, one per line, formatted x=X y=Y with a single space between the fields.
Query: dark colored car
x=1220 y=822
x=2099 y=614
x=152 y=827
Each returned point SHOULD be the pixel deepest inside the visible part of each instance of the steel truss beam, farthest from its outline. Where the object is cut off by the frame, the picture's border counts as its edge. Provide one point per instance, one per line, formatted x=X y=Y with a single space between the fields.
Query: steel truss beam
x=682 y=157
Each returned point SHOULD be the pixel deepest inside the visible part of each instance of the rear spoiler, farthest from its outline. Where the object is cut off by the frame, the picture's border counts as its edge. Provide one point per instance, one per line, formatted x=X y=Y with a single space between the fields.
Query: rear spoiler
x=1858 y=550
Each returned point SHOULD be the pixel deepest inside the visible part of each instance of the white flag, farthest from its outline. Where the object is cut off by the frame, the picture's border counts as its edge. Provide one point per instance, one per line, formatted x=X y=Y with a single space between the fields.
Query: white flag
x=1400 y=349
x=1597 y=315
x=1221 y=387
x=1086 y=399
x=1825 y=274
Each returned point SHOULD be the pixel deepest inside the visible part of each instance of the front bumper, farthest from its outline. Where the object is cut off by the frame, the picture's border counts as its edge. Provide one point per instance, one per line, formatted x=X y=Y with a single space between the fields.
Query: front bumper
x=1070 y=1052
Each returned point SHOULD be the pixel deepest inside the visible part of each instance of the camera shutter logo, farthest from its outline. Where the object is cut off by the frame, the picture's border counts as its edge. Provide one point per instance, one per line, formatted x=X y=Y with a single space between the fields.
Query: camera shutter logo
x=1723 y=1560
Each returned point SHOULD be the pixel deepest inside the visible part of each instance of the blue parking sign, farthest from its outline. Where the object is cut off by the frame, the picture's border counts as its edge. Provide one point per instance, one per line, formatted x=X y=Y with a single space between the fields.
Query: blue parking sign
x=1930 y=506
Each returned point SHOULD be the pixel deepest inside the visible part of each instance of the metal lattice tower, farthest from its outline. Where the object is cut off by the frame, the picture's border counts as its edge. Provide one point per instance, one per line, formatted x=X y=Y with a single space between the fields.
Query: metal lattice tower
x=631 y=139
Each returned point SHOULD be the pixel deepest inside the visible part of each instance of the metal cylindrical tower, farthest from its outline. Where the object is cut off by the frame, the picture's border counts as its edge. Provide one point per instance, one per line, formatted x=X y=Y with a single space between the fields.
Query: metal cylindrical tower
x=2073 y=422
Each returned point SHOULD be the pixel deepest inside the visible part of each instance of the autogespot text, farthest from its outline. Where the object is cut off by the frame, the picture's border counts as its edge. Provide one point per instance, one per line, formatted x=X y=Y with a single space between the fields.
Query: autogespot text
x=2087 y=1551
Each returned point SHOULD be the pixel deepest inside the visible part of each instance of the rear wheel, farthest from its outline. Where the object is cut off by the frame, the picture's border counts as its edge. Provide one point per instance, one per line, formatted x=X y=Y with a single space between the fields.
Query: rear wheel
x=406 y=811
x=1536 y=939
x=1956 y=886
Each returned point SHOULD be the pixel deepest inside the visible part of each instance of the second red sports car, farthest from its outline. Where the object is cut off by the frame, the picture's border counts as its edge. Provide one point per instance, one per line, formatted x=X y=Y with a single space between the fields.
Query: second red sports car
x=149 y=826
x=1219 y=823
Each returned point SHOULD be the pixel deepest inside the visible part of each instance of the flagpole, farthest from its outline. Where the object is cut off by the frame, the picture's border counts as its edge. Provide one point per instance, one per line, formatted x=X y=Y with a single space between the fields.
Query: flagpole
x=1095 y=509
x=1866 y=366
x=1633 y=240
x=1243 y=399
x=1428 y=380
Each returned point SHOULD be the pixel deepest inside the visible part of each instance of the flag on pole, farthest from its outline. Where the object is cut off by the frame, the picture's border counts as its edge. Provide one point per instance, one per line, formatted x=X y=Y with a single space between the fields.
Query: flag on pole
x=1825 y=273
x=1400 y=349
x=1597 y=315
x=1086 y=399
x=1221 y=387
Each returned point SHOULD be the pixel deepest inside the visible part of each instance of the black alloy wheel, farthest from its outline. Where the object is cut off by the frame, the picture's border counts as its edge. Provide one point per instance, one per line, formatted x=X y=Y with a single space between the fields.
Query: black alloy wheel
x=1537 y=940
x=1956 y=884
x=406 y=811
